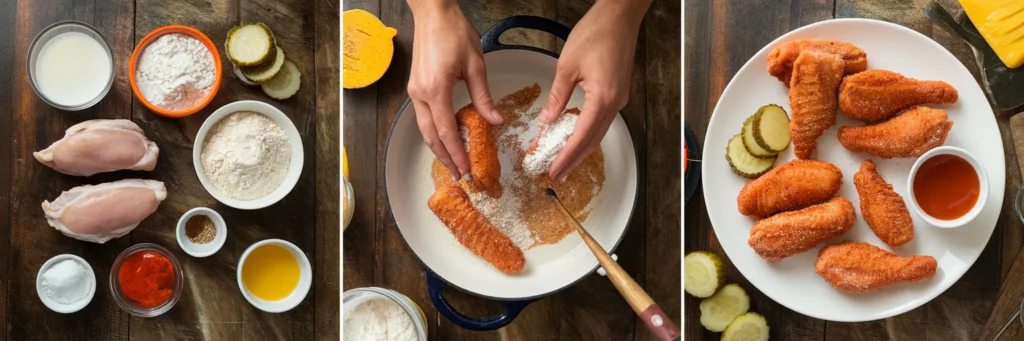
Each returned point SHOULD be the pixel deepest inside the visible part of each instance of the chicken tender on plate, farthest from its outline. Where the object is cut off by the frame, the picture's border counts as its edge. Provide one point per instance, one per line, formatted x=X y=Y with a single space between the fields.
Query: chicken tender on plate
x=453 y=207
x=859 y=267
x=484 y=166
x=905 y=136
x=882 y=208
x=789 y=233
x=879 y=94
x=782 y=57
x=812 y=99
x=794 y=185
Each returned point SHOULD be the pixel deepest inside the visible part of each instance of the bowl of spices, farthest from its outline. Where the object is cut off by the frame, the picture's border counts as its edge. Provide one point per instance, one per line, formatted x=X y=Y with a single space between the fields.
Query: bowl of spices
x=66 y=283
x=201 y=232
x=274 y=275
x=175 y=71
x=70 y=65
x=374 y=313
x=248 y=155
x=146 y=280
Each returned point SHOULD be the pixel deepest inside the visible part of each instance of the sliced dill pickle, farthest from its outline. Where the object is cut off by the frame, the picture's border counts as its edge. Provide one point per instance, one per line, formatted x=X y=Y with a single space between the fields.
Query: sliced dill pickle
x=262 y=74
x=285 y=84
x=250 y=45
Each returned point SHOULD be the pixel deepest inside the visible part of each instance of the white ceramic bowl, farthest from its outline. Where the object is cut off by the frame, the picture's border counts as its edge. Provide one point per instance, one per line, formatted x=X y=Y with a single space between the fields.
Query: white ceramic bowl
x=57 y=306
x=982 y=179
x=294 y=168
x=201 y=250
x=296 y=297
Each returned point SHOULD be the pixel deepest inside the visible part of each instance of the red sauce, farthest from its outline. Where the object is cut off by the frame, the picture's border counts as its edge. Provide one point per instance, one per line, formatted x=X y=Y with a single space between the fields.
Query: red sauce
x=147 y=278
x=946 y=187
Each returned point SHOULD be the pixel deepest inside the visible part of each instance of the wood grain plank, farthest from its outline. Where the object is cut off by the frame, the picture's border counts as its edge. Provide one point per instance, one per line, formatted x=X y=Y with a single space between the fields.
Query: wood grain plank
x=328 y=226
x=8 y=34
x=396 y=267
x=738 y=30
x=360 y=134
x=663 y=32
x=960 y=312
x=32 y=241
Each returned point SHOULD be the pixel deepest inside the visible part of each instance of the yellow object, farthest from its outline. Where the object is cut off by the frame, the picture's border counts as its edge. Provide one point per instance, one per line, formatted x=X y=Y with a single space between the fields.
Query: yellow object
x=367 y=48
x=1001 y=23
x=270 y=272
x=344 y=162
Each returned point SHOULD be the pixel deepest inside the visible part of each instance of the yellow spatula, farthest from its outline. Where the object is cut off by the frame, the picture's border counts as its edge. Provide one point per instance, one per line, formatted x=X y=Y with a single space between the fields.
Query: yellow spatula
x=1001 y=23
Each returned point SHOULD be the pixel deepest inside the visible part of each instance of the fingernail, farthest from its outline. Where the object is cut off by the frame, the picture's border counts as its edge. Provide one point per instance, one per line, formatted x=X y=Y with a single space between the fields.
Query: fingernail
x=496 y=116
x=455 y=178
x=543 y=114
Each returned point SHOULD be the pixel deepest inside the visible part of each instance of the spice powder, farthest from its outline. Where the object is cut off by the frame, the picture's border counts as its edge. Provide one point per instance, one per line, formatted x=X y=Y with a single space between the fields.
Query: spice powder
x=200 y=229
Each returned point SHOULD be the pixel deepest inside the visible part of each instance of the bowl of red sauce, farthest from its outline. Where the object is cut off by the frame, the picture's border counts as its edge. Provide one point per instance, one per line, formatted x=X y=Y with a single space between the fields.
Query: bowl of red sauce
x=146 y=280
x=947 y=187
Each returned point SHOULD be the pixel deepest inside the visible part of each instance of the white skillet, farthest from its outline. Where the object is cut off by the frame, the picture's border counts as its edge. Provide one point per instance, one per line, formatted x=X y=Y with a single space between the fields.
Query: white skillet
x=408 y=185
x=793 y=282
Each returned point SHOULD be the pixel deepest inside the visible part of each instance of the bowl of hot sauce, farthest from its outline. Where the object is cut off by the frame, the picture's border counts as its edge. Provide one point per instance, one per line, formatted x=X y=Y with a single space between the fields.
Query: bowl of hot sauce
x=146 y=280
x=947 y=187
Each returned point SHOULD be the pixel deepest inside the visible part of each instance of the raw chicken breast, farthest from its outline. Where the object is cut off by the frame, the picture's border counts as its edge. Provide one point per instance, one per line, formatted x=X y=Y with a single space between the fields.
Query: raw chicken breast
x=102 y=212
x=98 y=146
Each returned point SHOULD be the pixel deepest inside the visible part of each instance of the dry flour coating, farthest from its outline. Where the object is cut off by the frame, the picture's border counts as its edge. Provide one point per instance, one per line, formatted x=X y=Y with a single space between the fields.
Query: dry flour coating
x=378 y=319
x=246 y=155
x=175 y=72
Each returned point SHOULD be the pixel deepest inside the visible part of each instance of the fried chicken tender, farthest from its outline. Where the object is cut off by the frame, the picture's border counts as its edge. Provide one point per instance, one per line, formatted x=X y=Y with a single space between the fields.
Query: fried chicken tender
x=789 y=233
x=794 y=185
x=812 y=99
x=782 y=57
x=910 y=134
x=879 y=94
x=859 y=267
x=484 y=166
x=882 y=208
x=453 y=207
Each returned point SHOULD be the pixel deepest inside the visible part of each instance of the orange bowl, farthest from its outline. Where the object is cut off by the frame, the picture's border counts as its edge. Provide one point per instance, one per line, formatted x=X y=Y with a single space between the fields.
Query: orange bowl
x=156 y=34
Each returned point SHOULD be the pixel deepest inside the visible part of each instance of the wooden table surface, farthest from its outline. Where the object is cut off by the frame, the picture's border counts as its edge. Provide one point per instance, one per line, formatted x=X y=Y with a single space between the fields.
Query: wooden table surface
x=721 y=36
x=375 y=255
x=211 y=306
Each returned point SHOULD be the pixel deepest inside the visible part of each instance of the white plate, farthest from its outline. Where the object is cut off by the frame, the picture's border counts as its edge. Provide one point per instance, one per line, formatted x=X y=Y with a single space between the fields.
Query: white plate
x=408 y=185
x=793 y=282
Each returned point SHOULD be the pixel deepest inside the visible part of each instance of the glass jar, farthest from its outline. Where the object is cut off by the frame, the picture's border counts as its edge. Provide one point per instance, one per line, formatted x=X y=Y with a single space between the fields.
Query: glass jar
x=352 y=298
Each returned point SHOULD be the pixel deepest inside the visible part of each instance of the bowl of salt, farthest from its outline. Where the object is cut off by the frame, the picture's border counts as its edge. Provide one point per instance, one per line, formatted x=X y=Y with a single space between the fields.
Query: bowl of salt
x=66 y=283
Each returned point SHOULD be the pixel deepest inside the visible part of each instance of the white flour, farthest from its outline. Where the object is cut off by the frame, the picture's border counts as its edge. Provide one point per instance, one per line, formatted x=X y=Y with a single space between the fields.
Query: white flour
x=175 y=72
x=378 y=319
x=503 y=212
x=551 y=141
x=246 y=155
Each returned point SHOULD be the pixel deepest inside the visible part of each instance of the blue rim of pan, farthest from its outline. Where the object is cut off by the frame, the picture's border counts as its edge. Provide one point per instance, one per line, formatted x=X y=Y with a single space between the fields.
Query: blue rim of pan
x=692 y=174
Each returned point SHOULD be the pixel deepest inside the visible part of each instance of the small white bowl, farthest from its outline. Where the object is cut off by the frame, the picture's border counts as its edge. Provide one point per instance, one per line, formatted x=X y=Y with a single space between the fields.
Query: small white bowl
x=301 y=289
x=202 y=250
x=57 y=306
x=982 y=180
x=294 y=168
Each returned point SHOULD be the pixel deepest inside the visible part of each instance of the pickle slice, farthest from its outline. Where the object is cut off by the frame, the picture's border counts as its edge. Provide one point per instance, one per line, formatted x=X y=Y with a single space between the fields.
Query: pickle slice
x=742 y=162
x=285 y=84
x=771 y=128
x=241 y=77
x=260 y=74
x=250 y=45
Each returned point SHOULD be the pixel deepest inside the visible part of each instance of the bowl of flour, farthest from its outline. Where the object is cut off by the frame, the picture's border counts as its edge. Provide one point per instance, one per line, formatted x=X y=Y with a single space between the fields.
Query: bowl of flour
x=248 y=155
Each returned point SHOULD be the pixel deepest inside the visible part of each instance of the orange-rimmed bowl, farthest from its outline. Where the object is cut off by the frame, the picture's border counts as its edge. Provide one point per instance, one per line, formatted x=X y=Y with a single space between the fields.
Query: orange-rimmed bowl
x=167 y=30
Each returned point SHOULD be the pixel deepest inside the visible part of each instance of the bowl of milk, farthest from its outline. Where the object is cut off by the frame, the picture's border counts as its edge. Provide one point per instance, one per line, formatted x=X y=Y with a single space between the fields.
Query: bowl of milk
x=70 y=65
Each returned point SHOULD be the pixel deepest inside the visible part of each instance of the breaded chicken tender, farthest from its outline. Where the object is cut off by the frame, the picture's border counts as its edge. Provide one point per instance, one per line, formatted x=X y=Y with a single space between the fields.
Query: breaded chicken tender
x=781 y=58
x=484 y=166
x=812 y=99
x=789 y=233
x=453 y=207
x=859 y=267
x=882 y=208
x=794 y=185
x=908 y=135
x=875 y=95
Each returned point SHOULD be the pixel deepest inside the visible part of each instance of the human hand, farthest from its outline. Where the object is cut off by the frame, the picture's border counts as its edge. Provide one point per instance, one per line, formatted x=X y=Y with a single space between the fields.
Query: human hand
x=446 y=49
x=599 y=57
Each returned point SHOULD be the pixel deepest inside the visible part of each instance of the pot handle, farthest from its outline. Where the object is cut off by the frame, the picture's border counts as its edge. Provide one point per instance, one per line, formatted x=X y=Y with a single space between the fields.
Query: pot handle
x=489 y=41
x=435 y=286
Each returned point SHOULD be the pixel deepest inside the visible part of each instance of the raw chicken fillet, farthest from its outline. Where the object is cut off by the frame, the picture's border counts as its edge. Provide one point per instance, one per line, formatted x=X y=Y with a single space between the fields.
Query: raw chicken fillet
x=98 y=213
x=99 y=146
